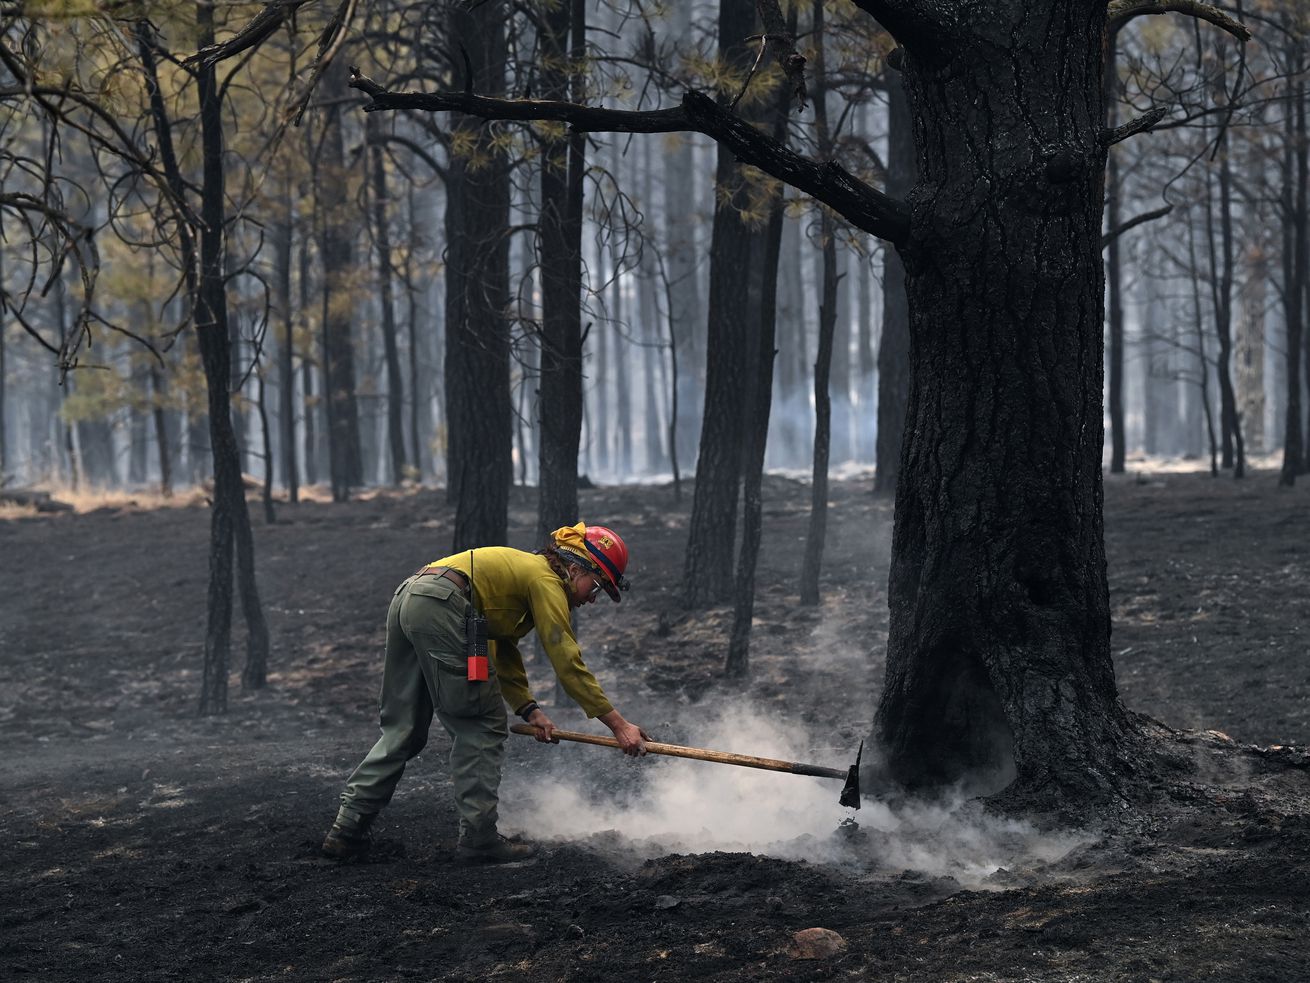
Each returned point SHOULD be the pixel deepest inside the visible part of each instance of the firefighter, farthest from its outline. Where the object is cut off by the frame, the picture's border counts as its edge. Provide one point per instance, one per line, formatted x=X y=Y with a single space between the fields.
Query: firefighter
x=429 y=669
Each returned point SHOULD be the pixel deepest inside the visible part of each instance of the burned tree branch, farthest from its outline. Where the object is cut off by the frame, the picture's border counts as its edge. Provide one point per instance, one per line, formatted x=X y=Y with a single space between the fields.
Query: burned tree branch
x=864 y=207
x=1141 y=124
x=261 y=27
x=1133 y=222
x=329 y=44
x=1120 y=12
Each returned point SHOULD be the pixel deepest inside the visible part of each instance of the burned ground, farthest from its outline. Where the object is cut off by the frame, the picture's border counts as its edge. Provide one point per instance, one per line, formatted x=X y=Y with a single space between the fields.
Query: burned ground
x=142 y=843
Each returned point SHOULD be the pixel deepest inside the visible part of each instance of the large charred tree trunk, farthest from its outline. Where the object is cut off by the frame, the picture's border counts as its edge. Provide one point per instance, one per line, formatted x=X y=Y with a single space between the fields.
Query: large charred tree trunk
x=559 y=402
x=894 y=345
x=478 y=407
x=998 y=655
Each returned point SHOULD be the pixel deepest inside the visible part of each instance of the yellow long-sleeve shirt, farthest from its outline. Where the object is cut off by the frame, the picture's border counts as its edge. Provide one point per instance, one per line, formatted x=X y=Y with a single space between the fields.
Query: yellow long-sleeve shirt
x=516 y=592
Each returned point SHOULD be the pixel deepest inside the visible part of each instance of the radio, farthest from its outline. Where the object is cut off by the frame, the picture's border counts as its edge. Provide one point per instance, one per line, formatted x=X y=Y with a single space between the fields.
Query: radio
x=475 y=636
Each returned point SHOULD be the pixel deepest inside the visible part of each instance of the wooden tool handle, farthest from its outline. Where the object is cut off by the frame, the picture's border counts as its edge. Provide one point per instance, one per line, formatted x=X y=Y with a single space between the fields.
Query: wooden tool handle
x=700 y=754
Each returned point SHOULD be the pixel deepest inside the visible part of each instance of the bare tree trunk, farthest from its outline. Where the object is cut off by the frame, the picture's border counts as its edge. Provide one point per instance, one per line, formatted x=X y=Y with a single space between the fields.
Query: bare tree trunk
x=229 y=521
x=345 y=460
x=1202 y=361
x=159 y=395
x=758 y=398
x=685 y=308
x=1250 y=348
x=620 y=379
x=382 y=240
x=282 y=233
x=266 y=436
x=417 y=394
x=814 y=540
x=733 y=326
x=1296 y=255
x=866 y=421
x=310 y=402
x=1221 y=288
x=652 y=358
x=478 y=408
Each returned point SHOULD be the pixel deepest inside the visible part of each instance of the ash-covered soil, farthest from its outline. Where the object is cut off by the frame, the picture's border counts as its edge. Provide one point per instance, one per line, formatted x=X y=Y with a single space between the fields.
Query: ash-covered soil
x=141 y=843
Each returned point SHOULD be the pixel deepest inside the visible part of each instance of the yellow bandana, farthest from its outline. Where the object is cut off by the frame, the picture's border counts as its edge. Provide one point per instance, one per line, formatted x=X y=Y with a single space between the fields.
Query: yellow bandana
x=573 y=539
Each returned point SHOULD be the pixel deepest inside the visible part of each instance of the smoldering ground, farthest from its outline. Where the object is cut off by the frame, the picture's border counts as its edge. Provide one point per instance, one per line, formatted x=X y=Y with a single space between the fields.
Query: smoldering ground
x=145 y=845
x=637 y=809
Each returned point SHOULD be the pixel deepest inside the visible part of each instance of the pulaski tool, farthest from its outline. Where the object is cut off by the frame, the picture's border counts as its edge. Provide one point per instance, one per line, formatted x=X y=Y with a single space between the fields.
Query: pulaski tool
x=850 y=794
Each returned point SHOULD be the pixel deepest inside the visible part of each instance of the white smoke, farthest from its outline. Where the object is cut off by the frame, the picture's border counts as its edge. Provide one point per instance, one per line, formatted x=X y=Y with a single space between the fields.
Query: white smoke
x=656 y=805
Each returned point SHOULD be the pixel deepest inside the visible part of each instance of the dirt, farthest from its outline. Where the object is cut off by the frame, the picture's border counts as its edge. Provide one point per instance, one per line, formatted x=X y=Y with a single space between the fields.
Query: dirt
x=142 y=843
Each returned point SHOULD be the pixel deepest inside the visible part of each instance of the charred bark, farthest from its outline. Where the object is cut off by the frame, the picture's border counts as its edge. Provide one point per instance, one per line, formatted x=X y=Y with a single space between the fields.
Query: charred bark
x=757 y=400
x=1296 y=257
x=1114 y=277
x=478 y=406
x=814 y=540
x=998 y=657
x=386 y=298
x=735 y=248
x=894 y=345
x=345 y=460
x=283 y=231
x=1220 y=256
x=563 y=166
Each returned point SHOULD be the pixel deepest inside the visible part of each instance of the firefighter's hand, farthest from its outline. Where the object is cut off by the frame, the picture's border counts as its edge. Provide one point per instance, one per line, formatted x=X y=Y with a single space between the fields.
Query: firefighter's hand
x=545 y=727
x=632 y=739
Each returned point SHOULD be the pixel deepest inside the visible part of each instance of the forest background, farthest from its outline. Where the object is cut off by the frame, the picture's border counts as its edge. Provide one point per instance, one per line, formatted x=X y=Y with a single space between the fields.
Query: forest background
x=219 y=274
x=335 y=247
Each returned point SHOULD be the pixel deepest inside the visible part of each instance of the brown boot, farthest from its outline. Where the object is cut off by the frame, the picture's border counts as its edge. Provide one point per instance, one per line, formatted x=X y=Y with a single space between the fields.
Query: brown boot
x=501 y=850
x=346 y=844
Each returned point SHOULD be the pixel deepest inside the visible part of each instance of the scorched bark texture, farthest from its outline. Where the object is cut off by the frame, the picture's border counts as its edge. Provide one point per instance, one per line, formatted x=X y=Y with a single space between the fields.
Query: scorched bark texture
x=999 y=648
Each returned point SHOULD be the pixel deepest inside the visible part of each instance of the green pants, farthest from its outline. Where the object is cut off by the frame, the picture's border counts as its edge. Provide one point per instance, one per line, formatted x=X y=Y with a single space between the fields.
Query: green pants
x=425 y=669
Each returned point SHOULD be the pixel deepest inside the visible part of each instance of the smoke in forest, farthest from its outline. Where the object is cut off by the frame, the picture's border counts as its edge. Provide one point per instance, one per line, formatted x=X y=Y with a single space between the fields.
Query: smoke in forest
x=638 y=809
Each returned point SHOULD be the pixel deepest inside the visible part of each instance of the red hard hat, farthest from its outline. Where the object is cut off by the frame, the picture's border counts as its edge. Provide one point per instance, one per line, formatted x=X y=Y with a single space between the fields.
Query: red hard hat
x=611 y=556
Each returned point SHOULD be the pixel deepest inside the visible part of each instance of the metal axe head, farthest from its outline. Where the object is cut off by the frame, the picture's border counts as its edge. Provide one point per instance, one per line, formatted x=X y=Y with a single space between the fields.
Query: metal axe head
x=850 y=795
